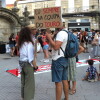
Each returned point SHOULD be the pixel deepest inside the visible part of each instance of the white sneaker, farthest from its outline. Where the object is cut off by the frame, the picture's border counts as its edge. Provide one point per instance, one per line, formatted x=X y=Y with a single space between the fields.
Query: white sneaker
x=46 y=60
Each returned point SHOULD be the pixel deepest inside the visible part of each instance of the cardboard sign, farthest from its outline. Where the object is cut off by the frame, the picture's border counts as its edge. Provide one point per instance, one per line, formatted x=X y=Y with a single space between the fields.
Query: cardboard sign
x=48 y=17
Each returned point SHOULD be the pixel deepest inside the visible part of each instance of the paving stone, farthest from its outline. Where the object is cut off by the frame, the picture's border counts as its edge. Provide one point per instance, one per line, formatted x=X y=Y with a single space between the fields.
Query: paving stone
x=10 y=86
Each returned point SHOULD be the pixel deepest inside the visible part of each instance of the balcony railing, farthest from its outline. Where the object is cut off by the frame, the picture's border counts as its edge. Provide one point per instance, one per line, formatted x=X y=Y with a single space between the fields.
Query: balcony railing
x=81 y=9
x=70 y=10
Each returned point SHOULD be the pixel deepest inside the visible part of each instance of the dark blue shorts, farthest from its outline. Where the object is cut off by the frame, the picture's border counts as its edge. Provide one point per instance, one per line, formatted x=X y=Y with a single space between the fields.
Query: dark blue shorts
x=11 y=45
x=59 y=69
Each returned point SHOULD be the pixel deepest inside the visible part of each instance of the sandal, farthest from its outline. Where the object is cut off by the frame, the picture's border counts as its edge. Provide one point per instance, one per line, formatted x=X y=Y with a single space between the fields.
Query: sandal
x=72 y=92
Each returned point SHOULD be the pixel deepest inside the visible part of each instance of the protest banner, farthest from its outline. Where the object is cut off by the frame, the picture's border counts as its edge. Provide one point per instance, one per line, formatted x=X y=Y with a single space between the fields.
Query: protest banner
x=48 y=17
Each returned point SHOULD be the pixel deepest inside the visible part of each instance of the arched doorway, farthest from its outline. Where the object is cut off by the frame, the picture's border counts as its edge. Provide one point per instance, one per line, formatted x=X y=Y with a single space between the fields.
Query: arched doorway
x=9 y=23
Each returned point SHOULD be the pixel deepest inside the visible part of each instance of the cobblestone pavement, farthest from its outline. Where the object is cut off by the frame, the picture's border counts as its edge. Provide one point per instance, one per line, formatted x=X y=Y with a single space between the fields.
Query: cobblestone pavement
x=45 y=89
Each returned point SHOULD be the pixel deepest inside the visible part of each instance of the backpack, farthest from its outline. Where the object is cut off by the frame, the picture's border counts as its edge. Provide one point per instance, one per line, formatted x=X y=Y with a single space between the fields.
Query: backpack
x=72 y=45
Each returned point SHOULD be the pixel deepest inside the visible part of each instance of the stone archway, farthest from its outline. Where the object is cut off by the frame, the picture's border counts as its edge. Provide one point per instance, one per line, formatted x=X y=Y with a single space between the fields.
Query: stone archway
x=9 y=23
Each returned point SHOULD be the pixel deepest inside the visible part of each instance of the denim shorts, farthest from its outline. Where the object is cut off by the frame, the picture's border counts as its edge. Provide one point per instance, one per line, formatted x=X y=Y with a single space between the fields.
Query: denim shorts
x=45 y=47
x=59 y=69
x=11 y=45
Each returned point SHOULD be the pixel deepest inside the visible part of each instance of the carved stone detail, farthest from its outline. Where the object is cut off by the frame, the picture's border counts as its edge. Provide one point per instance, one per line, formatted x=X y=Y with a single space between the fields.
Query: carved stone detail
x=10 y=23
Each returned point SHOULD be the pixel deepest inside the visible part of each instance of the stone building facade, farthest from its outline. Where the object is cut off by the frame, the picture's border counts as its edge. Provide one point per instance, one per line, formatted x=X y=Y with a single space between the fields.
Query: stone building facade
x=69 y=7
x=9 y=23
x=80 y=14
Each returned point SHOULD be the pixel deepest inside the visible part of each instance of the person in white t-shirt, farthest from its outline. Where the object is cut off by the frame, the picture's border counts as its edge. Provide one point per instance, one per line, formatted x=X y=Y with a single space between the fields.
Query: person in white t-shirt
x=59 y=63
x=27 y=64
x=95 y=44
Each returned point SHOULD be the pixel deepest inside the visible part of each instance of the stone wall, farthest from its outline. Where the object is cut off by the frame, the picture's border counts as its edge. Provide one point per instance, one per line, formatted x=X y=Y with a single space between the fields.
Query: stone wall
x=5 y=30
x=9 y=23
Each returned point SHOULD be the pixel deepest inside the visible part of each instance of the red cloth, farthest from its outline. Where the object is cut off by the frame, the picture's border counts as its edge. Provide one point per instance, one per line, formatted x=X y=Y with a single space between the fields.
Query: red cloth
x=45 y=43
x=43 y=36
x=17 y=37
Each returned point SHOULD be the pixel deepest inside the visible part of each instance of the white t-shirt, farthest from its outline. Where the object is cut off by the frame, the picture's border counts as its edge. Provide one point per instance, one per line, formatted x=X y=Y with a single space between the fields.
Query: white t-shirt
x=61 y=36
x=97 y=36
x=27 y=52
x=99 y=40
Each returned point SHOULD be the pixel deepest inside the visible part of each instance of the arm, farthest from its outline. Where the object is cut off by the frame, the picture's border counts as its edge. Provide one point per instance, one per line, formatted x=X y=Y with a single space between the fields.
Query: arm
x=35 y=56
x=81 y=49
x=31 y=55
x=86 y=77
x=34 y=63
x=80 y=36
x=13 y=39
x=55 y=44
x=35 y=49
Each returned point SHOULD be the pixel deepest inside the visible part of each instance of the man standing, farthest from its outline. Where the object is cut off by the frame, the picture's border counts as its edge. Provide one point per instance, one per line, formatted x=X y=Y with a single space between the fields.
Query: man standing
x=72 y=67
x=59 y=63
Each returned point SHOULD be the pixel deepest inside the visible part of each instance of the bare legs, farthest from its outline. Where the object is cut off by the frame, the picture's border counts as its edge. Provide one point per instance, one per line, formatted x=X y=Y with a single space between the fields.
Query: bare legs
x=74 y=85
x=65 y=88
x=46 y=54
x=59 y=89
x=73 y=89
x=12 y=51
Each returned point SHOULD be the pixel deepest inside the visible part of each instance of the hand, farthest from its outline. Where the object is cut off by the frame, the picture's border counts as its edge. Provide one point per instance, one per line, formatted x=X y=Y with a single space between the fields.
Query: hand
x=35 y=67
x=48 y=35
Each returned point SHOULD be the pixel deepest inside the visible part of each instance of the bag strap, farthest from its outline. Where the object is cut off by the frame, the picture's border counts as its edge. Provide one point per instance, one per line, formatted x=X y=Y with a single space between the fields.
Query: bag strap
x=66 y=44
x=62 y=50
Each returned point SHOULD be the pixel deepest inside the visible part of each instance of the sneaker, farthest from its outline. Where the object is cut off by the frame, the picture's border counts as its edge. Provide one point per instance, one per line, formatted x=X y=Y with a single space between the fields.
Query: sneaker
x=46 y=60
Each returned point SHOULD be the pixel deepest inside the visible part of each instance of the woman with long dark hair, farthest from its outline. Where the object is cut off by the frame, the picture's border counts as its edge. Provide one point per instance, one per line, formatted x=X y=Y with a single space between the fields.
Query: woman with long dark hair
x=27 y=63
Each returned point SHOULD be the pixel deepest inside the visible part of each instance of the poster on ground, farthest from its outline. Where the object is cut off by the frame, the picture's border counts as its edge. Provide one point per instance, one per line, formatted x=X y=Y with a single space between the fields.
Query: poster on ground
x=48 y=17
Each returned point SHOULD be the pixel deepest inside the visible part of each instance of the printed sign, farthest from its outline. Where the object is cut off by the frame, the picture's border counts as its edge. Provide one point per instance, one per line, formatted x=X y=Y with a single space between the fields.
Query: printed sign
x=48 y=17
